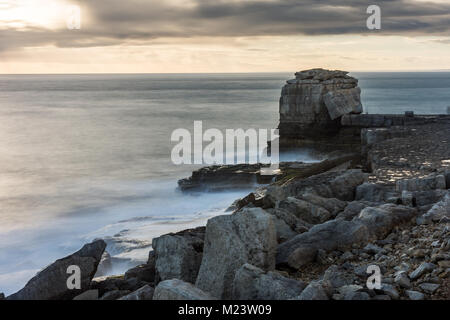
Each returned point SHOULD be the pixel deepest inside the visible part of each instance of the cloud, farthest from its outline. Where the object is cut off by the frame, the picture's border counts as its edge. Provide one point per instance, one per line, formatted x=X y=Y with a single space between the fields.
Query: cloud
x=116 y=22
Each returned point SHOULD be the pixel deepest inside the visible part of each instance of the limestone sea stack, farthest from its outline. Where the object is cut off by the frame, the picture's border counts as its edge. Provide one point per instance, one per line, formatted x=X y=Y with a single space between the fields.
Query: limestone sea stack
x=312 y=104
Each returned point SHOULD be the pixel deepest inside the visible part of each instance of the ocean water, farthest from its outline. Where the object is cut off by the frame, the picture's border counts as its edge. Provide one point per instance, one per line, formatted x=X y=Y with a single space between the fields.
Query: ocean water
x=87 y=156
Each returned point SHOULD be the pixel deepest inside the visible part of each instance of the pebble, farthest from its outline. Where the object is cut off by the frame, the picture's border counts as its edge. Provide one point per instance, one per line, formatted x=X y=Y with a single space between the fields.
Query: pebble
x=415 y=295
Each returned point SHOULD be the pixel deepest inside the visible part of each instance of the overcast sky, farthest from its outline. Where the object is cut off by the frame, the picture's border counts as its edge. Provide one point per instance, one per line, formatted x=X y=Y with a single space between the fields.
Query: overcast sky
x=222 y=36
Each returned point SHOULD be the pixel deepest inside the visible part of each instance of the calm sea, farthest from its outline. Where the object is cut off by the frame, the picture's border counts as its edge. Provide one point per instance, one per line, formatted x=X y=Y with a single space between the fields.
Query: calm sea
x=86 y=156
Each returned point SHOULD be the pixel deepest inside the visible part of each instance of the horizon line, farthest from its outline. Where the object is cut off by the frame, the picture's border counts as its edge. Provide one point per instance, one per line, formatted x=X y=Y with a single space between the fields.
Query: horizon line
x=251 y=72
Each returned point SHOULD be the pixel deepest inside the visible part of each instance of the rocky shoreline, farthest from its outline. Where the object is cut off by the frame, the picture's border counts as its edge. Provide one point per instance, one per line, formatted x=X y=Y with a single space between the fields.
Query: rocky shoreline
x=310 y=233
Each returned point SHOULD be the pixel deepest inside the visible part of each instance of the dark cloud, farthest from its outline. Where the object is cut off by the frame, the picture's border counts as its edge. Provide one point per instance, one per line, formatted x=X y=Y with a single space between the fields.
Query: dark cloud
x=118 y=21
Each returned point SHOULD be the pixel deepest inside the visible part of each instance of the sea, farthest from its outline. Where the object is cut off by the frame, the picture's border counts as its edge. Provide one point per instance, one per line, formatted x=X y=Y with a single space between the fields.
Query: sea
x=86 y=156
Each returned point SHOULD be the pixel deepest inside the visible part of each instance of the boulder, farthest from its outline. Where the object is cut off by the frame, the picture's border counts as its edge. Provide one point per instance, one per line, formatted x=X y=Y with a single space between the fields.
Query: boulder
x=370 y=224
x=354 y=208
x=296 y=224
x=179 y=290
x=371 y=192
x=381 y=220
x=424 y=267
x=144 y=293
x=247 y=236
x=339 y=277
x=314 y=291
x=332 y=184
x=329 y=236
x=415 y=295
x=144 y=272
x=252 y=283
x=438 y=211
x=305 y=211
x=51 y=283
x=332 y=205
x=343 y=101
x=421 y=184
x=178 y=255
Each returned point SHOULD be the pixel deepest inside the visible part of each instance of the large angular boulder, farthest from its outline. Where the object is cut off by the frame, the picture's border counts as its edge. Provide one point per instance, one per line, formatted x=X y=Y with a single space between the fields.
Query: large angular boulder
x=179 y=290
x=422 y=184
x=178 y=255
x=247 y=236
x=51 y=283
x=252 y=283
x=339 y=234
x=305 y=211
x=439 y=211
x=381 y=220
x=329 y=236
x=343 y=101
x=341 y=185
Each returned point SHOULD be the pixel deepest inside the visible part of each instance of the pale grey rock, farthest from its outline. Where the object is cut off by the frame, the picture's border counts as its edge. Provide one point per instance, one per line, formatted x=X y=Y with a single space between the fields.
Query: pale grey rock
x=314 y=291
x=329 y=236
x=178 y=255
x=351 y=288
x=424 y=267
x=305 y=211
x=179 y=290
x=343 y=101
x=415 y=295
x=390 y=291
x=339 y=277
x=252 y=283
x=371 y=192
x=402 y=280
x=338 y=234
x=421 y=184
x=354 y=208
x=381 y=220
x=284 y=232
x=51 y=283
x=439 y=211
x=247 y=236
x=408 y=199
x=429 y=287
x=144 y=293
x=332 y=205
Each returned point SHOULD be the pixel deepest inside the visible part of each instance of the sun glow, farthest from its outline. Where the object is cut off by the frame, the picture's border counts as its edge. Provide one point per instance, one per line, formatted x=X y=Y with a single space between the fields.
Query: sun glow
x=22 y=14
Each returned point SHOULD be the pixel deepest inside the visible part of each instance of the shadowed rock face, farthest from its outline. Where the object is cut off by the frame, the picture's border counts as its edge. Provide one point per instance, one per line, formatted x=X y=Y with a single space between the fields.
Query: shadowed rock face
x=178 y=256
x=314 y=102
x=51 y=283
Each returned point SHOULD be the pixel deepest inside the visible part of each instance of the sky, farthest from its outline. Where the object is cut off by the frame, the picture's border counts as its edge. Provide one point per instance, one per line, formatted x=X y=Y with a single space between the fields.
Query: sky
x=189 y=36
